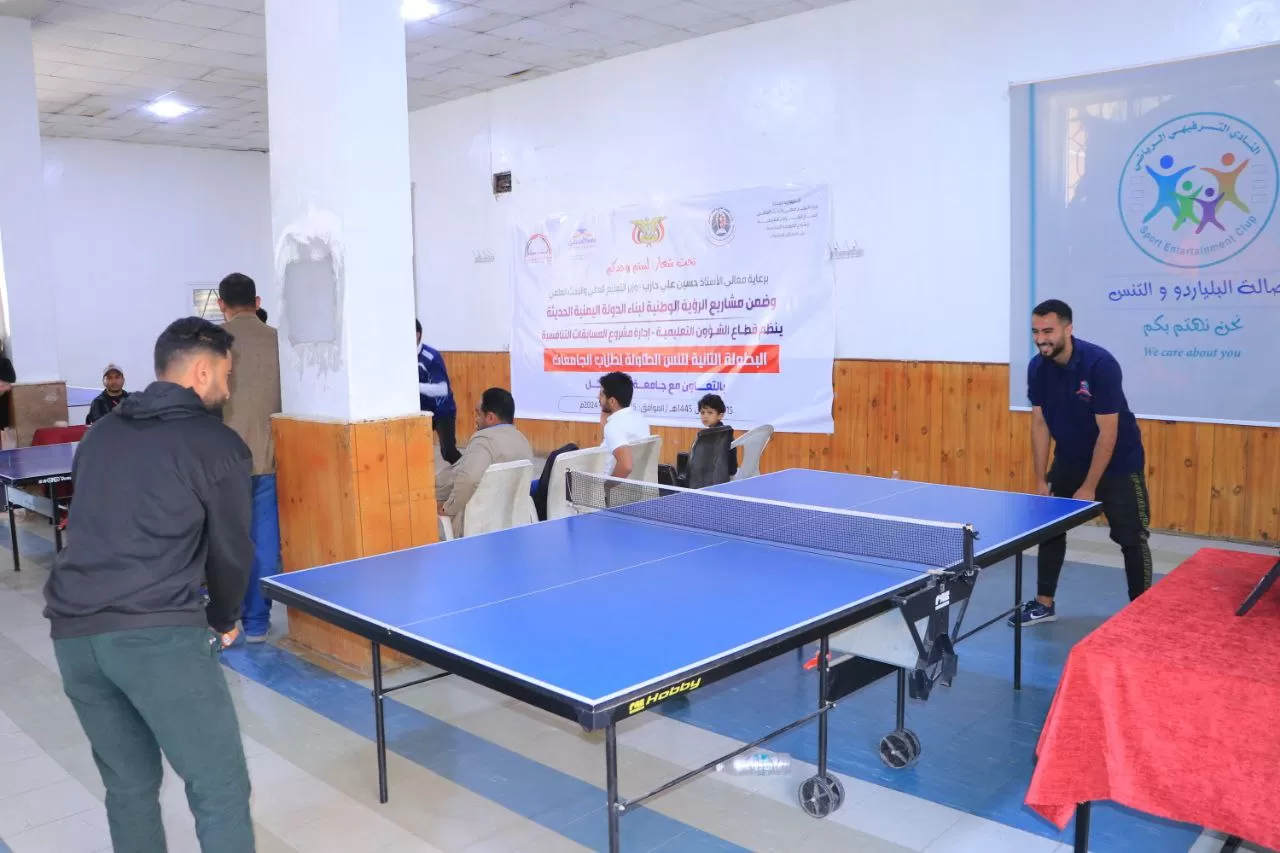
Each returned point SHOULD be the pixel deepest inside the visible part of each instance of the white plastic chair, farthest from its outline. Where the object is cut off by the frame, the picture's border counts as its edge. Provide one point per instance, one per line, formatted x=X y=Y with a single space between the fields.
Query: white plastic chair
x=592 y=460
x=753 y=443
x=645 y=453
x=501 y=500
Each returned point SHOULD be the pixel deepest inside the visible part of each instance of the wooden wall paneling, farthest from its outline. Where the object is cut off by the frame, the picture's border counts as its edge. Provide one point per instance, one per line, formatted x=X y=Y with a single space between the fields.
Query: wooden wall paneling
x=350 y=491
x=420 y=481
x=1002 y=476
x=1262 y=484
x=915 y=425
x=1206 y=440
x=1178 y=461
x=398 y=484
x=1153 y=447
x=1230 y=458
x=373 y=487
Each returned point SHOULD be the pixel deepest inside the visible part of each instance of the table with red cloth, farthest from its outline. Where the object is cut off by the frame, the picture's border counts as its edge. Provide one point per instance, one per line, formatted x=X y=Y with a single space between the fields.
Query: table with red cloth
x=1172 y=707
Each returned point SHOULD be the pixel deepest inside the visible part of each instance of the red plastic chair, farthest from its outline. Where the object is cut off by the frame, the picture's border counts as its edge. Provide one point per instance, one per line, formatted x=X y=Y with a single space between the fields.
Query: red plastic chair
x=58 y=435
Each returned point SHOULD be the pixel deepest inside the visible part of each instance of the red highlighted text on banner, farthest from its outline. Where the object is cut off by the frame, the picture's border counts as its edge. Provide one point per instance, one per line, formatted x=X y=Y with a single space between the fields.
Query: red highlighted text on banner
x=732 y=359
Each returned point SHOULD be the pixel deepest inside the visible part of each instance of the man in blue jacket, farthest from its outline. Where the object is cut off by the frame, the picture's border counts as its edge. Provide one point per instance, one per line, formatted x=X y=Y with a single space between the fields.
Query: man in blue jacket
x=435 y=396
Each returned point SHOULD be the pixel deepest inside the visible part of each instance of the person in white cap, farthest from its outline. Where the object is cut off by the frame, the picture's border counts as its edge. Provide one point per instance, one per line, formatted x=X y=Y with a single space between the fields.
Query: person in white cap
x=112 y=395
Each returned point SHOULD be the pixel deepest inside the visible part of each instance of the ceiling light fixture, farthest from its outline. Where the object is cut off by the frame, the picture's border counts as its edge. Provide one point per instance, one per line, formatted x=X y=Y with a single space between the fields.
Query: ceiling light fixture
x=167 y=108
x=419 y=10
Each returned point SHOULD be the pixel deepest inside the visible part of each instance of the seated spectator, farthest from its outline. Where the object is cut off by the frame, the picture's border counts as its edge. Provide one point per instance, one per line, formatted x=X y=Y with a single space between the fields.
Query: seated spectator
x=622 y=424
x=113 y=394
x=711 y=409
x=496 y=440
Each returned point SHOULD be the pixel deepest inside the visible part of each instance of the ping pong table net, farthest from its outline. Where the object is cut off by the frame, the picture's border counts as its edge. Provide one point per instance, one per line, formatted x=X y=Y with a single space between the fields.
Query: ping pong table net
x=846 y=532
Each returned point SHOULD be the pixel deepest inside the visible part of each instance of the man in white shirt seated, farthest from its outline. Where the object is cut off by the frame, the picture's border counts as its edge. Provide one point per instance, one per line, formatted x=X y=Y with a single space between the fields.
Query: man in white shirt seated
x=496 y=440
x=622 y=424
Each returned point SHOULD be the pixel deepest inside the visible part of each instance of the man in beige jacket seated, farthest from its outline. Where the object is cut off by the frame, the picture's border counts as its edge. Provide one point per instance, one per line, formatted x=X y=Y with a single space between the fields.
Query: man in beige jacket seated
x=496 y=440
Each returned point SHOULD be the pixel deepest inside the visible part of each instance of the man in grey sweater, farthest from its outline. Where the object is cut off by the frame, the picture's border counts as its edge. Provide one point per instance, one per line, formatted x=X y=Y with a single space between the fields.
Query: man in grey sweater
x=496 y=439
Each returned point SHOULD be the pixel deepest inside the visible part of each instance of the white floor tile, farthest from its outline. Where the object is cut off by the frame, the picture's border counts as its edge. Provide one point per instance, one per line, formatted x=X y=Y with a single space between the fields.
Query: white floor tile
x=83 y=833
x=973 y=834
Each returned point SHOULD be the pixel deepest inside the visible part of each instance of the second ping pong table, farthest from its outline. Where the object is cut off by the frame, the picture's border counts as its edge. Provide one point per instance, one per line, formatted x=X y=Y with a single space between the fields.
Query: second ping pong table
x=47 y=465
x=655 y=592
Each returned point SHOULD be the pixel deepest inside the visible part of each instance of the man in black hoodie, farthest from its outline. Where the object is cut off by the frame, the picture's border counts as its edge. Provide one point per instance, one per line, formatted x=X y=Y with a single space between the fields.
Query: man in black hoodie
x=162 y=507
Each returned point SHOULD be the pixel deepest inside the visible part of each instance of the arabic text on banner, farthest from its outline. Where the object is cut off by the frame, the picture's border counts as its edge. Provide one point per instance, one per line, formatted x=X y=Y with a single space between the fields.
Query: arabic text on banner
x=728 y=294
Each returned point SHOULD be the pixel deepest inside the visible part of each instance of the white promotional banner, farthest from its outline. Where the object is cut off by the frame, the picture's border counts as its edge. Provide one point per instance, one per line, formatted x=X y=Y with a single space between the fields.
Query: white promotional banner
x=728 y=294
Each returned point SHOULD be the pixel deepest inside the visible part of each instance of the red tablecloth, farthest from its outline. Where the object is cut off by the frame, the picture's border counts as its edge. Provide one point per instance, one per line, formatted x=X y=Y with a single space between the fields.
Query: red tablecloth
x=1172 y=706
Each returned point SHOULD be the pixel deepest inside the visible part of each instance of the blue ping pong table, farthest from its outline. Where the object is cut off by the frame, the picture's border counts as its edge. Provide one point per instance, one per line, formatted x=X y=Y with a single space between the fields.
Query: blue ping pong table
x=47 y=465
x=661 y=591
x=79 y=398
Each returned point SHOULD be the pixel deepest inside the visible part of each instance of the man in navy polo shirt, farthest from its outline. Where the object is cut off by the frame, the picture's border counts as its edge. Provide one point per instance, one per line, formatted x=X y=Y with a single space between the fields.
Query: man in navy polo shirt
x=1077 y=399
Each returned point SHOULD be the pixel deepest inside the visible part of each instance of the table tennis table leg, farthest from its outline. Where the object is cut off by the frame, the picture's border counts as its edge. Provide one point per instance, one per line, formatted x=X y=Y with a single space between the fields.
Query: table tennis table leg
x=57 y=528
x=1017 y=622
x=13 y=531
x=1082 y=827
x=824 y=673
x=901 y=714
x=611 y=786
x=379 y=723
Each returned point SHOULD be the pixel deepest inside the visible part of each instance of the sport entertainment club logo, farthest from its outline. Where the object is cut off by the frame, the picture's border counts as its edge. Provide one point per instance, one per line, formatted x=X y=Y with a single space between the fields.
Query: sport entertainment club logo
x=1198 y=190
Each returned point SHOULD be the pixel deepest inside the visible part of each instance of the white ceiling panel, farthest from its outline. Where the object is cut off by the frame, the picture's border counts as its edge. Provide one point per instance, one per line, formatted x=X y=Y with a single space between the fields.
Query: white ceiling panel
x=99 y=62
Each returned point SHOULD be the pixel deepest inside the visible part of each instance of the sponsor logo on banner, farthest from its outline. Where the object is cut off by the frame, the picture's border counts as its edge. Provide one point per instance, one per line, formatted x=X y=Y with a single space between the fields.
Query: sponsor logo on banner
x=1198 y=190
x=582 y=244
x=537 y=250
x=648 y=232
x=720 y=226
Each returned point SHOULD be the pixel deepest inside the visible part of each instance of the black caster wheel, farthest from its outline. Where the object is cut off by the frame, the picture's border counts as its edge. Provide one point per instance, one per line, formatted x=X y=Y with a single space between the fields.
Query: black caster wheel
x=820 y=796
x=900 y=749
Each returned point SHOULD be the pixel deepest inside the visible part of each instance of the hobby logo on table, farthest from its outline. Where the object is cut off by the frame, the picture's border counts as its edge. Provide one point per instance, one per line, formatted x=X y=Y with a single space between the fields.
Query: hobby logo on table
x=1198 y=190
x=653 y=698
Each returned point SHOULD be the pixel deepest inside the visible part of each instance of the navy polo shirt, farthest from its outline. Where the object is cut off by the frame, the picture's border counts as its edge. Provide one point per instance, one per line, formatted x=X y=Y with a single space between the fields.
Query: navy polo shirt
x=1070 y=397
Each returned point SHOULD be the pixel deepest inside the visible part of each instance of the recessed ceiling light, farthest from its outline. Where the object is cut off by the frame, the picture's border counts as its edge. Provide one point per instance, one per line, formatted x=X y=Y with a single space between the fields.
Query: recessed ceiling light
x=167 y=108
x=419 y=10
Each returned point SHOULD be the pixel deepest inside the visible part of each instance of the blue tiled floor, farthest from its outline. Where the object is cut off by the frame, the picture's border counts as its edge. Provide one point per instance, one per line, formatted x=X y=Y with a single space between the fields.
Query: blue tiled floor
x=978 y=736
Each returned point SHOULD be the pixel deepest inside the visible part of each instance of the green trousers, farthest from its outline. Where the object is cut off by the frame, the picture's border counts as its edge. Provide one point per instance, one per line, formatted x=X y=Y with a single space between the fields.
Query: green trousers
x=138 y=693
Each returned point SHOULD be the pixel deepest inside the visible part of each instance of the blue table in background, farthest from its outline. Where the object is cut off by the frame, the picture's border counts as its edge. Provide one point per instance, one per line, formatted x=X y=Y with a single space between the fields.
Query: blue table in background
x=48 y=466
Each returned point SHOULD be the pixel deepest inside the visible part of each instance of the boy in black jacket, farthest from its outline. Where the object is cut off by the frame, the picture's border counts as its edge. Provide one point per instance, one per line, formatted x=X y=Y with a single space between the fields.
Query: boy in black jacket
x=162 y=506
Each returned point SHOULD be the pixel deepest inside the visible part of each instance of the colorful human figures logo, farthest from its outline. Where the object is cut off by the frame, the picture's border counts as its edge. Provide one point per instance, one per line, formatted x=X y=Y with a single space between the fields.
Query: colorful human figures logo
x=1198 y=190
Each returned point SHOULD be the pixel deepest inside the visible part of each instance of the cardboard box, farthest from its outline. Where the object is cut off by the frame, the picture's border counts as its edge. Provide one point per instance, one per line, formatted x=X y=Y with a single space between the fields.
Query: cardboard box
x=34 y=405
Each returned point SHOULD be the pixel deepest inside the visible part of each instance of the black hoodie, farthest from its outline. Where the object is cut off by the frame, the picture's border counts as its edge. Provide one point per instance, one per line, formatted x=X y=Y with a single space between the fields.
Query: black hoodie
x=162 y=505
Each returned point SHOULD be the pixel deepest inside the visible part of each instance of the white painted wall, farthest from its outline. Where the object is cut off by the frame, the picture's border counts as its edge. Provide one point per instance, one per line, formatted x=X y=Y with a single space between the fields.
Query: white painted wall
x=900 y=105
x=133 y=227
